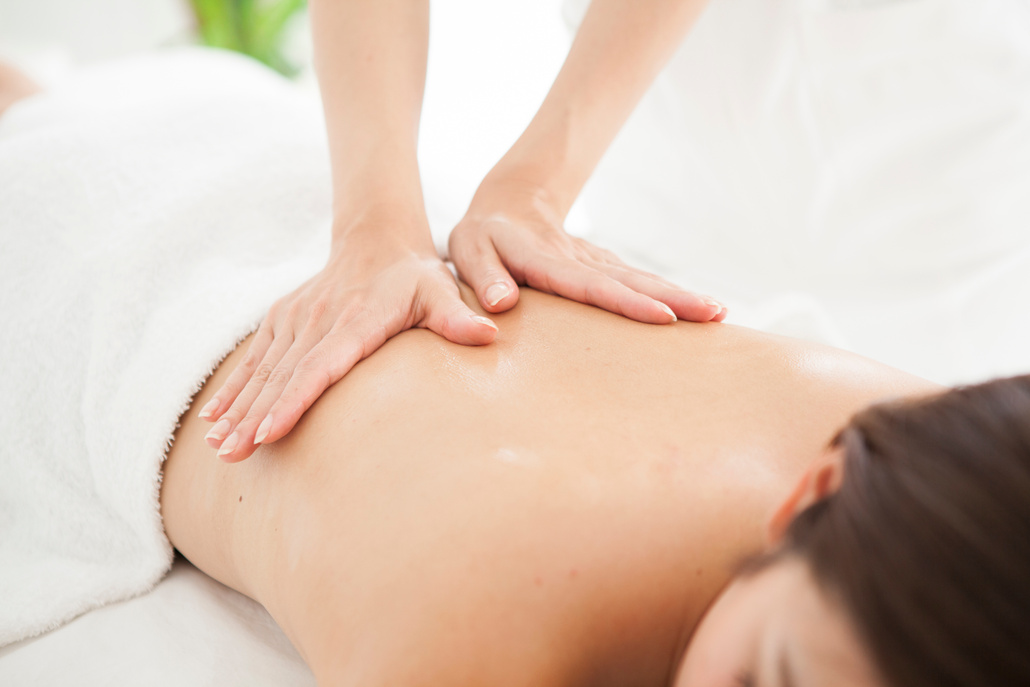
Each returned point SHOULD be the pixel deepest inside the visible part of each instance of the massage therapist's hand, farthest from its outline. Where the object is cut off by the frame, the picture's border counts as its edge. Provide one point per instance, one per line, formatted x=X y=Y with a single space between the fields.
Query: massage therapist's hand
x=371 y=289
x=513 y=234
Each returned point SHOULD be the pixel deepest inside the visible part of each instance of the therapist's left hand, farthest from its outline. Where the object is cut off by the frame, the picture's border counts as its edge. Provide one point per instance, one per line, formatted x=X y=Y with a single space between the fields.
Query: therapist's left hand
x=512 y=234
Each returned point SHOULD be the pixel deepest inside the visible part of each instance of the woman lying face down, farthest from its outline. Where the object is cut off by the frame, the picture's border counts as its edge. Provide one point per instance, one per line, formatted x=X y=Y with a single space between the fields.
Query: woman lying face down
x=571 y=506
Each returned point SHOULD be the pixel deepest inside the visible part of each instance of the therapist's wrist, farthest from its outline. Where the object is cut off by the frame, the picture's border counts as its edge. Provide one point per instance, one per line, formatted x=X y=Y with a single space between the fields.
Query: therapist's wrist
x=505 y=190
x=380 y=201
x=382 y=221
x=553 y=155
x=540 y=180
x=548 y=175
x=377 y=178
x=383 y=227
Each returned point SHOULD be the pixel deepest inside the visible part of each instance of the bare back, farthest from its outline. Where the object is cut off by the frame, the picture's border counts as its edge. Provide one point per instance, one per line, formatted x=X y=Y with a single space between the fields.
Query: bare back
x=567 y=500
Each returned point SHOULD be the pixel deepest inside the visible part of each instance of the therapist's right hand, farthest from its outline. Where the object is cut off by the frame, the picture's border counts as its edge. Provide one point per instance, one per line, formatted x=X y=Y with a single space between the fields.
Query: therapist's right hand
x=375 y=285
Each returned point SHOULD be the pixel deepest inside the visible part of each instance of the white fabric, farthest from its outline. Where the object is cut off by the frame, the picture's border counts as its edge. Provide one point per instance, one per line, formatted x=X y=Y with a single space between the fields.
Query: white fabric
x=851 y=171
x=150 y=213
x=189 y=631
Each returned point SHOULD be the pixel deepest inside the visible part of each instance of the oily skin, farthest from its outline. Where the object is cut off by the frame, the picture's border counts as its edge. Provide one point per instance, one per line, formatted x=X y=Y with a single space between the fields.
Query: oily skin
x=558 y=507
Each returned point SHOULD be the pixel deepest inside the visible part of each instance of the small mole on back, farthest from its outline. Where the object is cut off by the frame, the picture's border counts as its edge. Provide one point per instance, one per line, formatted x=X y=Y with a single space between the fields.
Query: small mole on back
x=241 y=499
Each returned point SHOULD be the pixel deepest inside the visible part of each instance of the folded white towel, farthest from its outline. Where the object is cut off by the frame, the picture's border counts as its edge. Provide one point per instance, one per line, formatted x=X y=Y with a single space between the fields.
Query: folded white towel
x=150 y=212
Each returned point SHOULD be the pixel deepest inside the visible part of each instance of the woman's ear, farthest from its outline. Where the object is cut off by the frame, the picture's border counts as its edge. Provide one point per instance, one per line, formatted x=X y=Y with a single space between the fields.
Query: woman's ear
x=822 y=478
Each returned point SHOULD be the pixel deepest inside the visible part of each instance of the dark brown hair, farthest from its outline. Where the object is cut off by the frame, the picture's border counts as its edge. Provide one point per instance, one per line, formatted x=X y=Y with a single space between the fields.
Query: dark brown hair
x=927 y=543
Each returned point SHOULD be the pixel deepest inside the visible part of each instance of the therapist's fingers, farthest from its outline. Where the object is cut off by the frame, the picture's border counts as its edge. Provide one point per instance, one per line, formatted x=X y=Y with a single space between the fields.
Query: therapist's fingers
x=607 y=257
x=687 y=305
x=227 y=423
x=321 y=367
x=482 y=268
x=446 y=314
x=227 y=393
x=579 y=282
x=254 y=427
x=250 y=429
x=316 y=361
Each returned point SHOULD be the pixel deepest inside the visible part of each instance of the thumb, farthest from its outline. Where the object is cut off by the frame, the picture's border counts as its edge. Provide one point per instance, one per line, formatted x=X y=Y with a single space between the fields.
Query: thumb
x=487 y=275
x=447 y=315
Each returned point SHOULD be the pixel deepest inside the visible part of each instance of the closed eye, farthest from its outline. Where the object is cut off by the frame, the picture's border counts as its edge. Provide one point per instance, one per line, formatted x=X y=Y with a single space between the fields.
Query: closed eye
x=744 y=680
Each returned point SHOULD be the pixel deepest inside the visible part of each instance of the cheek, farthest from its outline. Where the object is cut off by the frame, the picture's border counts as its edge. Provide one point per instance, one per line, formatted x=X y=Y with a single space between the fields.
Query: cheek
x=723 y=648
x=715 y=665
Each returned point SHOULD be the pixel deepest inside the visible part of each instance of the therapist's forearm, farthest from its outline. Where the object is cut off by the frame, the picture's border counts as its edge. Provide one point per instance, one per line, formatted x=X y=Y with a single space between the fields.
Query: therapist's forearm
x=619 y=50
x=370 y=56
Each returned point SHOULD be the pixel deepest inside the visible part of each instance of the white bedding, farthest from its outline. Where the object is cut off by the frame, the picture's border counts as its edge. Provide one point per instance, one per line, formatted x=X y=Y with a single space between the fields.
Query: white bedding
x=151 y=211
x=191 y=630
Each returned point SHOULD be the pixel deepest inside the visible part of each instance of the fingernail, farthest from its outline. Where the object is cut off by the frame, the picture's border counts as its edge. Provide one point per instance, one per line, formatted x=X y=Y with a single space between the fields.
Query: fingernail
x=497 y=293
x=229 y=444
x=484 y=320
x=263 y=429
x=667 y=309
x=210 y=407
x=219 y=431
x=712 y=302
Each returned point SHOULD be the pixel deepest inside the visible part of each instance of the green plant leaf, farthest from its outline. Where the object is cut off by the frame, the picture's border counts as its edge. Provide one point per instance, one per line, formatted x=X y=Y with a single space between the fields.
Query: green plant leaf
x=252 y=27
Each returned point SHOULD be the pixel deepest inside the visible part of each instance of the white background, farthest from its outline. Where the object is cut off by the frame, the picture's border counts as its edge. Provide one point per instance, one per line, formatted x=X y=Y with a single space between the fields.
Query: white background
x=490 y=65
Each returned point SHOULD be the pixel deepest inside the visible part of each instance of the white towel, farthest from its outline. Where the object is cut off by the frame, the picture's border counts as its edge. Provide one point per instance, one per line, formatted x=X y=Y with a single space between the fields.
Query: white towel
x=150 y=212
